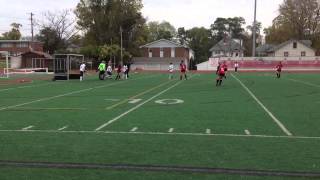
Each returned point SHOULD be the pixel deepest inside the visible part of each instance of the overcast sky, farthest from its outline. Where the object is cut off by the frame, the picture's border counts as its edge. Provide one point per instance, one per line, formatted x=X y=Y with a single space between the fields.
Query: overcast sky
x=180 y=13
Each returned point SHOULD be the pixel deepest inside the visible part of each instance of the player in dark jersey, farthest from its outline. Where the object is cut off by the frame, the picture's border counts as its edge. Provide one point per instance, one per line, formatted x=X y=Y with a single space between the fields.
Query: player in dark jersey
x=279 y=69
x=221 y=74
x=119 y=72
x=225 y=67
x=183 y=70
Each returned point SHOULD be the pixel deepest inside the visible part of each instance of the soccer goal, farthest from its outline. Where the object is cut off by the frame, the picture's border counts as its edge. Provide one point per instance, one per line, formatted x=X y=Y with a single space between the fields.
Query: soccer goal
x=66 y=66
x=4 y=64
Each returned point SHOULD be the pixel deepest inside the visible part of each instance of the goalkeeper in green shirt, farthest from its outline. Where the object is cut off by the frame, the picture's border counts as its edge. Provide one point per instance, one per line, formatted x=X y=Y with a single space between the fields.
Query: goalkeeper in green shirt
x=102 y=70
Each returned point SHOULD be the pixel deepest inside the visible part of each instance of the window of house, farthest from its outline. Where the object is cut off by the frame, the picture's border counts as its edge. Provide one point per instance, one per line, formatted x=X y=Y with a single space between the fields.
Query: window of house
x=161 y=52
x=173 y=52
x=295 y=45
x=150 y=53
x=286 y=54
x=22 y=45
x=217 y=52
x=303 y=53
x=6 y=45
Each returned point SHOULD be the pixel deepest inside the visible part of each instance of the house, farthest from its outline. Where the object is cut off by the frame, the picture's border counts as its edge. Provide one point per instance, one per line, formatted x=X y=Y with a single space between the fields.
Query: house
x=159 y=54
x=32 y=60
x=228 y=48
x=291 y=48
x=17 y=47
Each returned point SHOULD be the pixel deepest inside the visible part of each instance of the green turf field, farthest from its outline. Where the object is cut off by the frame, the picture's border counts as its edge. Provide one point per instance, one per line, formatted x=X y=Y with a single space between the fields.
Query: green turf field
x=253 y=127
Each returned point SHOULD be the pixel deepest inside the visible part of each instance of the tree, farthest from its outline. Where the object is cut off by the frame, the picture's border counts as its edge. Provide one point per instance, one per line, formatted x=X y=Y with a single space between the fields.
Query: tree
x=163 y=30
x=50 y=38
x=297 y=20
x=223 y=26
x=102 y=20
x=56 y=30
x=182 y=35
x=199 y=41
x=14 y=34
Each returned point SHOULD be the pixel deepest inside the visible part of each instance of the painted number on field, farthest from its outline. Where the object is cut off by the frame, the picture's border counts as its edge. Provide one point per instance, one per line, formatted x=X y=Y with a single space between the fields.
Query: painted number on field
x=169 y=101
x=134 y=101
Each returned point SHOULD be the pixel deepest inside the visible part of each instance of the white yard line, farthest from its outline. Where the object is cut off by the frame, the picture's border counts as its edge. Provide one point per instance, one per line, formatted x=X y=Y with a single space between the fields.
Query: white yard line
x=27 y=128
x=303 y=82
x=63 y=128
x=23 y=87
x=62 y=95
x=171 y=130
x=276 y=120
x=136 y=107
x=134 y=129
x=247 y=132
x=161 y=133
x=208 y=131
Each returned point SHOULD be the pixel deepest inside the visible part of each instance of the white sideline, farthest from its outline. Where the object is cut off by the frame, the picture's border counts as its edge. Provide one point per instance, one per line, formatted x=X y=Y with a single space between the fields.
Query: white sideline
x=276 y=120
x=161 y=133
x=136 y=107
x=306 y=83
x=62 y=95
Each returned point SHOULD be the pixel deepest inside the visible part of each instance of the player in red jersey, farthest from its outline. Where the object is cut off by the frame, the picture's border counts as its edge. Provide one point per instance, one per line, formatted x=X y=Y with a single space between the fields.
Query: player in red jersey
x=279 y=69
x=183 y=70
x=225 y=67
x=221 y=74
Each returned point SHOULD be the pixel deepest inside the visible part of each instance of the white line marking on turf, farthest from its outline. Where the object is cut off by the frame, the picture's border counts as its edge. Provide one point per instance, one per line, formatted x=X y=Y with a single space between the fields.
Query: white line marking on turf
x=161 y=133
x=247 y=132
x=62 y=95
x=23 y=87
x=171 y=130
x=63 y=128
x=208 y=131
x=134 y=101
x=276 y=120
x=134 y=129
x=114 y=100
x=27 y=128
x=303 y=82
x=136 y=107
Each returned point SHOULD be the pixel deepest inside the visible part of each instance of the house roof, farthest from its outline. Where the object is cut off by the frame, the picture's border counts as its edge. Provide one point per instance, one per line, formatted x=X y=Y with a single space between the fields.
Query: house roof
x=267 y=48
x=223 y=45
x=45 y=55
x=164 y=41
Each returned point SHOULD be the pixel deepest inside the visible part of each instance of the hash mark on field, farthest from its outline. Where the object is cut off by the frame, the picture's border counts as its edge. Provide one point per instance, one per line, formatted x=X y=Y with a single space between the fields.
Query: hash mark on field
x=134 y=129
x=208 y=131
x=276 y=120
x=247 y=132
x=27 y=128
x=171 y=130
x=63 y=128
x=136 y=107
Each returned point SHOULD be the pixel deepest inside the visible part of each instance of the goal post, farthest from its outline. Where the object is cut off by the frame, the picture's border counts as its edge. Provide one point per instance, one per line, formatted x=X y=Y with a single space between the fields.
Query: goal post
x=4 y=64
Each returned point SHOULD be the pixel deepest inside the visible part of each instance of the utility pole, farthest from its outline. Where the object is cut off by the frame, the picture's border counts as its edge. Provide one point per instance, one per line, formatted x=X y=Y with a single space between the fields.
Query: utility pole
x=31 y=19
x=121 y=32
x=254 y=30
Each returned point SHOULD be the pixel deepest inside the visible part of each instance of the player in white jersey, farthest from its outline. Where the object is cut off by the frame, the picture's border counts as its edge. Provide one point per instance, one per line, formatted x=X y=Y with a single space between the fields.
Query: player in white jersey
x=82 y=70
x=125 y=71
x=171 y=70
x=109 y=72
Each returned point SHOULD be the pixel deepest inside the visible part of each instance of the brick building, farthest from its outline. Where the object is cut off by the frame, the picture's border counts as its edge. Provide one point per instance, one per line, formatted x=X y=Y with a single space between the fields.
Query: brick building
x=18 y=47
x=159 y=54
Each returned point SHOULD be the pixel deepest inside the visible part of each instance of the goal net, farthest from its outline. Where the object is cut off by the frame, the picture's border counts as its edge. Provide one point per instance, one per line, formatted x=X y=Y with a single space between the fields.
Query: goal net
x=4 y=65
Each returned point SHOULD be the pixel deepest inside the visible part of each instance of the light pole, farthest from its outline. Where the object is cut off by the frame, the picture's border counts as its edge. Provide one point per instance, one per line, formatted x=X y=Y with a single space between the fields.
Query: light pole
x=254 y=29
x=121 y=46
